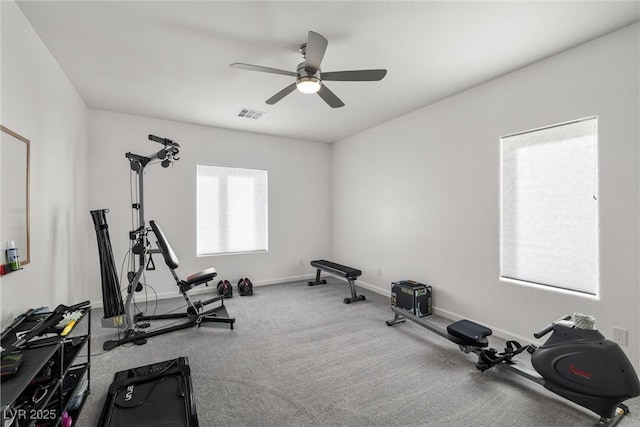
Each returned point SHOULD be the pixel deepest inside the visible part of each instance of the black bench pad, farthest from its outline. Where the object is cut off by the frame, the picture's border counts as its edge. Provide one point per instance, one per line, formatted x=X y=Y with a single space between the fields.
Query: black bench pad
x=202 y=276
x=466 y=332
x=338 y=269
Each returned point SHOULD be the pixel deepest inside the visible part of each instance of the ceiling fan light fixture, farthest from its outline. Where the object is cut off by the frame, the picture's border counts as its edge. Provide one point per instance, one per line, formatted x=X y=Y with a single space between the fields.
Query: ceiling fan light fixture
x=308 y=84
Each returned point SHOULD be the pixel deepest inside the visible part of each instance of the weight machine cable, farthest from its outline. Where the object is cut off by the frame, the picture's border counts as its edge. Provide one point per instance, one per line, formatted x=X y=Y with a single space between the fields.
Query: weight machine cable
x=147 y=300
x=135 y=224
x=112 y=292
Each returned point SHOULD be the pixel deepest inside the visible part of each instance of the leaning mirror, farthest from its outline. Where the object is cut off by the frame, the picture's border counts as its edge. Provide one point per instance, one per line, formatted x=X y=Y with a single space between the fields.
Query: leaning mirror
x=14 y=194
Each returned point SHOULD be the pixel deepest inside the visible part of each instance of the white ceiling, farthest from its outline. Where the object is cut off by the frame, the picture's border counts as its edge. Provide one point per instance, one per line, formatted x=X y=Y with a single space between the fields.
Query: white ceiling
x=170 y=59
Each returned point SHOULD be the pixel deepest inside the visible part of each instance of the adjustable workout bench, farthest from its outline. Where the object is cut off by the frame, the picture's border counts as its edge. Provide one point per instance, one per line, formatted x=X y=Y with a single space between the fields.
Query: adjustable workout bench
x=196 y=315
x=342 y=271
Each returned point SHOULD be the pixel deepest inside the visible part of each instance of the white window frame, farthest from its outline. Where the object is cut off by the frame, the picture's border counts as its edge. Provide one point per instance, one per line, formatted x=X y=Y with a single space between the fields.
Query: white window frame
x=536 y=261
x=224 y=211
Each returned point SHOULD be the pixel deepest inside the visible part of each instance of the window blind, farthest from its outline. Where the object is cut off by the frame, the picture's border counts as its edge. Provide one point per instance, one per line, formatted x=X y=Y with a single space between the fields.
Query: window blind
x=549 y=208
x=231 y=210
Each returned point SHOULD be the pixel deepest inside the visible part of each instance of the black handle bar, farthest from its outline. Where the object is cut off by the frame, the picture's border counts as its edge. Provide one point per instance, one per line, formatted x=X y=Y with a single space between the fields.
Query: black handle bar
x=165 y=141
x=548 y=328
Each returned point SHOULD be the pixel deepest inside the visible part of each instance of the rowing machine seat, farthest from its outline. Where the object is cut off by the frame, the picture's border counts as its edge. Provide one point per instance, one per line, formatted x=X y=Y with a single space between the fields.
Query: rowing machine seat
x=468 y=333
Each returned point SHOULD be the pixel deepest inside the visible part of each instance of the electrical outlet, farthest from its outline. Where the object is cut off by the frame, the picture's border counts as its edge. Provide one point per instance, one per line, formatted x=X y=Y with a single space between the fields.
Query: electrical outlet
x=620 y=336
x=379 y=272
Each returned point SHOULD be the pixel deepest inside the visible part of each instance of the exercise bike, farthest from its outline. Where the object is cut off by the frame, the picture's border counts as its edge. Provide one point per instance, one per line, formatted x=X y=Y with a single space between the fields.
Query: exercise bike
x=576 y=362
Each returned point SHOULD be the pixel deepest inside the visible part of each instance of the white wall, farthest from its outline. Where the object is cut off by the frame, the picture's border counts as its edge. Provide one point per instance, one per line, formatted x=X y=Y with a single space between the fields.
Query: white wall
x=418 y=196
x=39 y=103
x=299 y=192
x=78 y=164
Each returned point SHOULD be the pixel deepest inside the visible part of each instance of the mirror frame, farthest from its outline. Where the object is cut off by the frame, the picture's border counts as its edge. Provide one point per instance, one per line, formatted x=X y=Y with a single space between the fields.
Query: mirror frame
x=26 y=258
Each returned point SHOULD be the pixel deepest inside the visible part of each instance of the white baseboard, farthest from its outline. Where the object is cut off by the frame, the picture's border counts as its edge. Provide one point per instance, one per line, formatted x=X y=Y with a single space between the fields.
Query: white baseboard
x=500 y=333
x=497 y=332
x=454 y=317
x=285 y=280
x=377 y=290
x=203 y=289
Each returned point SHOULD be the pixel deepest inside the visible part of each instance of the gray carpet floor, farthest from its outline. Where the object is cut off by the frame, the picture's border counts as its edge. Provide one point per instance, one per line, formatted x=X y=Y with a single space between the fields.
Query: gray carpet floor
x=298 y=356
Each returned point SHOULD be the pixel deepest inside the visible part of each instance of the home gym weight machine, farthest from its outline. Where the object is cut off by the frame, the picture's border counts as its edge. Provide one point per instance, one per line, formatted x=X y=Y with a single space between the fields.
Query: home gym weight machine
x=577 y=362
x=124 y=316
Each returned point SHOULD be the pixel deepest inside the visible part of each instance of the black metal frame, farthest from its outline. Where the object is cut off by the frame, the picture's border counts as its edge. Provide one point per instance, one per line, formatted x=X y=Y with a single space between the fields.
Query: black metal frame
x=344 y=272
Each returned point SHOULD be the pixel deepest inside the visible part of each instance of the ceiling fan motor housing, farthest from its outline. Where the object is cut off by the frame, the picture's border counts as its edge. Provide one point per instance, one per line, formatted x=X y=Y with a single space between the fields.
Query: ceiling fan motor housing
x=308 y=81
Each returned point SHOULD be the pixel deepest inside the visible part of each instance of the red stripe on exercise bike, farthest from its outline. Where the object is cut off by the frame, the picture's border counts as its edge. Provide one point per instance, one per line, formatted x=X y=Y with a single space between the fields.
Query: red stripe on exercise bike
x=579 y=372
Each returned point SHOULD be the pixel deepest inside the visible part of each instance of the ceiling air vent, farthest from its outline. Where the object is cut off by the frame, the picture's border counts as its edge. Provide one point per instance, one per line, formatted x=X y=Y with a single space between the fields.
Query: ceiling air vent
x=250 y=114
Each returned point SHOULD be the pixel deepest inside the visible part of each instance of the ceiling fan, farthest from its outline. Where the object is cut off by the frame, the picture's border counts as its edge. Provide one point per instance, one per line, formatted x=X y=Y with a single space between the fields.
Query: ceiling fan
x=309 y=78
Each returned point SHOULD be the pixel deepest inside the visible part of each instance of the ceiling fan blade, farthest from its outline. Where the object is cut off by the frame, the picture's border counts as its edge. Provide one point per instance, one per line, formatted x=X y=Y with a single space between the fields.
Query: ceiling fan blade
x=354 y=76
x=330 y=97
x=262 y=69
x=284 y=92
x=316 y=47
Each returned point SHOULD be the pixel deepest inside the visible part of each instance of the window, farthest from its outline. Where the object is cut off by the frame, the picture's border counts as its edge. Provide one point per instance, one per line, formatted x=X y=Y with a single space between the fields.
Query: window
x=231 y=210
x=549 y=208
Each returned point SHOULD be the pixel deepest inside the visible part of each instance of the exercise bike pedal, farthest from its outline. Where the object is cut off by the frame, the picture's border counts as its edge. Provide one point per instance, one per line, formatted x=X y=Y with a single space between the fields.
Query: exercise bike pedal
x=143 y=325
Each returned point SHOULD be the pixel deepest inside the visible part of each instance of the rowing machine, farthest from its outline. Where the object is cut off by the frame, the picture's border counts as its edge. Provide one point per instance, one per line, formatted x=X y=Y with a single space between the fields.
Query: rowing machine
x=577 y=362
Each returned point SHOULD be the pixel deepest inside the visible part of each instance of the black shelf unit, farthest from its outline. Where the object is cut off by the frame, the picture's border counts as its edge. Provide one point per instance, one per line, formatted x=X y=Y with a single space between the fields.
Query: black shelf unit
x=49 y=376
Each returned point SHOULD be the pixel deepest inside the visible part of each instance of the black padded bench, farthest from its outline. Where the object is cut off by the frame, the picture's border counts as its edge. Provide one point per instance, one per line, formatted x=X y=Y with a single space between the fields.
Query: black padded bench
x=342 y=271
x=467 y=333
